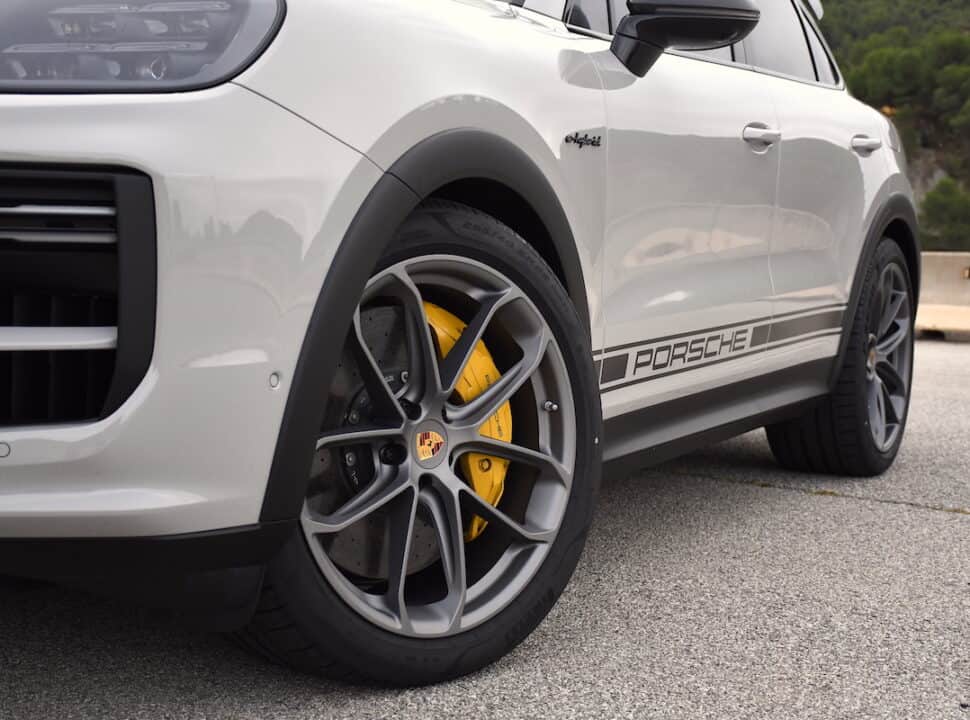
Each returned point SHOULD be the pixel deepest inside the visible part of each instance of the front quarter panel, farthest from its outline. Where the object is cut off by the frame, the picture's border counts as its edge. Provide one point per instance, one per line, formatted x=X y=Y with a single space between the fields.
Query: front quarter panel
x=384 y=76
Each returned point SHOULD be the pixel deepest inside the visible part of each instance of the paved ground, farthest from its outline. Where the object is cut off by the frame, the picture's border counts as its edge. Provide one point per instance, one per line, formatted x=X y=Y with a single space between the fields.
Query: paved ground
x=716 y=586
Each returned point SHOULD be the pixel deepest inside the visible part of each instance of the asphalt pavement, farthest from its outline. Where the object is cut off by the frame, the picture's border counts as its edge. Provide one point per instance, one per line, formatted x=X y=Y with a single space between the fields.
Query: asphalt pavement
x=715 y=586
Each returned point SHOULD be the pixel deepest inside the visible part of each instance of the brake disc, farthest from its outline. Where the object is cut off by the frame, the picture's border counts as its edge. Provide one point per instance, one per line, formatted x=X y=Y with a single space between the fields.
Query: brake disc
x=340 y=474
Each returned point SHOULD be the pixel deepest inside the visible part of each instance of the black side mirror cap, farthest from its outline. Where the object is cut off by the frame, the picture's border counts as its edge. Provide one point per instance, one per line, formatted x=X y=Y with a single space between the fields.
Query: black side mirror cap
x=652 y=27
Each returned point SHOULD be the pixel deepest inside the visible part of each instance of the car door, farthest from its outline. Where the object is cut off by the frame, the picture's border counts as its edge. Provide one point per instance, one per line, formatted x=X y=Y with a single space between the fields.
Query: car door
x=831 y=166
x=690 y=206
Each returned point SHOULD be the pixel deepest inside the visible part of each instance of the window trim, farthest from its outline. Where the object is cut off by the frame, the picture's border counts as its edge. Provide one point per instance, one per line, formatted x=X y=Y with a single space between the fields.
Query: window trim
x=734 y=62
x=521 y=5
x=840 y=86
x=794 y=78
x=739 y=48
x=829 y=55
x=587 y=32
x=570 y=4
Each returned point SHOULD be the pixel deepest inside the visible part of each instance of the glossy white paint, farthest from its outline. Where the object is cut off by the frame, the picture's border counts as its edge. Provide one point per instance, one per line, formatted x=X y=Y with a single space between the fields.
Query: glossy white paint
x=826 y=194
x=251 y=202
x=680 y=225
x=689 y=209
x=422 y=68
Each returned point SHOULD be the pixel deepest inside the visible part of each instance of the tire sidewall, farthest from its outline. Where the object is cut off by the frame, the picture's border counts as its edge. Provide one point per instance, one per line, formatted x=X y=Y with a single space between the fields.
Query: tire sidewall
x=323 y=617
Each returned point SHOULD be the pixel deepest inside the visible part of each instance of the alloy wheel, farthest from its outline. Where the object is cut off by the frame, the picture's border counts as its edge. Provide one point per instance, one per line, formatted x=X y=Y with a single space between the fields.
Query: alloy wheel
x=389 y=508
x=889 y=356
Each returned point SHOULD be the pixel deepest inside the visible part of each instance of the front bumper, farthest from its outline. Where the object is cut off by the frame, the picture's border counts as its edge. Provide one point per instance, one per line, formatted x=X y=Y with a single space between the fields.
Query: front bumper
x=251 y=203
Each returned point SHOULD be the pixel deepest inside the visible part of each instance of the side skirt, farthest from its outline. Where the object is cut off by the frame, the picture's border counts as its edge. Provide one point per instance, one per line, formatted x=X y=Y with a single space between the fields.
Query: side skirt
x=665 y=431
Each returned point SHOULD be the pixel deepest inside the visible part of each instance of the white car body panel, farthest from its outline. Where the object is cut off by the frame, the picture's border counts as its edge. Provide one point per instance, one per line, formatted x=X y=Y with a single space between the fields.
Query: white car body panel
x=245 y=240
x=827 y=192
x=515 y=73
x=257 y=182
x=690 y=210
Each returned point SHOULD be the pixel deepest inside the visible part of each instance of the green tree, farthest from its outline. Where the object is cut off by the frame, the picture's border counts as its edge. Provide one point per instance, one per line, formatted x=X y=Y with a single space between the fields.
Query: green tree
x=912 y=58
x=946 y=217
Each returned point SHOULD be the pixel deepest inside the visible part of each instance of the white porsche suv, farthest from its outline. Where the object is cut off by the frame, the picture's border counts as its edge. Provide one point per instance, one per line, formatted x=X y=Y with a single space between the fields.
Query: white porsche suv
x=318 y=318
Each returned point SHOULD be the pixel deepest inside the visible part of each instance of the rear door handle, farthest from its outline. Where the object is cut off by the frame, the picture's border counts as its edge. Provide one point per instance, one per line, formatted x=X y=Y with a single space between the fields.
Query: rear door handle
x=760 y=135
x=863 y=144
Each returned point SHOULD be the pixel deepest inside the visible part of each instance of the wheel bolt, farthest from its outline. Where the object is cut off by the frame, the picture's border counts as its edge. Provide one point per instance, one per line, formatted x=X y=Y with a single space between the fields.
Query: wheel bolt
x=410 y=409
x=350 y=459
x=393 y=454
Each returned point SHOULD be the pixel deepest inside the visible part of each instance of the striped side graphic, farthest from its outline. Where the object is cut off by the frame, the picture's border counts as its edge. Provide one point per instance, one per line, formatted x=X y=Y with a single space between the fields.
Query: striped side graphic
x=626 y=365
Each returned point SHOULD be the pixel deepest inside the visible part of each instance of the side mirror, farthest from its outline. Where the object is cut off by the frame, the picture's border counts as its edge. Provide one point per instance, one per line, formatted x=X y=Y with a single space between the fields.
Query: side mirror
x=652 y=27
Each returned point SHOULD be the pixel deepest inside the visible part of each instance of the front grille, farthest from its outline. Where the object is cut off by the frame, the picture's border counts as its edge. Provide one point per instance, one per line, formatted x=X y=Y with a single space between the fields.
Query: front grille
x=77 y=292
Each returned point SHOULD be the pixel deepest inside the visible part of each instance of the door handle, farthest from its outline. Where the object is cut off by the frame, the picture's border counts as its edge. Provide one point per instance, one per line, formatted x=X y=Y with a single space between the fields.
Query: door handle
x=760 y=135
x=863 y=144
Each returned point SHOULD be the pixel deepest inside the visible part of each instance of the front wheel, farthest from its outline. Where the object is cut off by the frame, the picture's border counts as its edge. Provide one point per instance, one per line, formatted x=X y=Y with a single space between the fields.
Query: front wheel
x=858 y=429
x=454 y=477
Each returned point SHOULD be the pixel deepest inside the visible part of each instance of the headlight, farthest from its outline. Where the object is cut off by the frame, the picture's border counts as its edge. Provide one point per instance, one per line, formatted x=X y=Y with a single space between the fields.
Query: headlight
x=82 y=46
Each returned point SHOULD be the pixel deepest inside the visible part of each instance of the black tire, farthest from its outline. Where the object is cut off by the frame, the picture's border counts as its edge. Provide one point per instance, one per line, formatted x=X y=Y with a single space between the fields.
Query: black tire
x=835 y=437
x=302 y=622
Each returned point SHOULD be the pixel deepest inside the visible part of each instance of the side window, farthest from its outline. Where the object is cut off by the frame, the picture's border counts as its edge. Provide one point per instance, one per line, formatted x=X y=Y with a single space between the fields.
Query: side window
x=590 y=14
x=778 y=43
x=552 y=8
x=620 y=10
x=823 y=63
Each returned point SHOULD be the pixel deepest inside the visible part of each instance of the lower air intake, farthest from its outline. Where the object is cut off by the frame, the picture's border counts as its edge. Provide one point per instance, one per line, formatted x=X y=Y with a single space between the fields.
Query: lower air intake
x=77 y=292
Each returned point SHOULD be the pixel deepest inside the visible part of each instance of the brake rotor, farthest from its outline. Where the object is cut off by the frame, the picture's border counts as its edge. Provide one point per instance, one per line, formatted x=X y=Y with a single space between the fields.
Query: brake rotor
x=485 y=473
x=339 y=474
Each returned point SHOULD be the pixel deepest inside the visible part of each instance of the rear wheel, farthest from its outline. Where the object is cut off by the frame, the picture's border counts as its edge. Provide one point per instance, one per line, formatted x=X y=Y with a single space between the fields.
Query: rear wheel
x=858 y=429
x=454 y=477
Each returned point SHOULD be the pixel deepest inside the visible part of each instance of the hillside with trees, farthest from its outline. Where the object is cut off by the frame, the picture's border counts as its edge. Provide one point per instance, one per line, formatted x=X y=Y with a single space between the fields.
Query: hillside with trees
x=911 y=59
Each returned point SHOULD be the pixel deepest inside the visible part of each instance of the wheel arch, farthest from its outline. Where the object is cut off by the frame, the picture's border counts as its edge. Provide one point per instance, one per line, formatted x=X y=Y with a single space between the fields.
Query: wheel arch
x=904 y=232
x=897 y=220
x=453 y=164
x=492 y=174
x=511 y=209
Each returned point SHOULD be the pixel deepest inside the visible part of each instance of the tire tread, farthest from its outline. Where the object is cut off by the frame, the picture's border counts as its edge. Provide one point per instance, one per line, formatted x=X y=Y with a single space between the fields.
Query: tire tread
x=282 y=629
x=832 y=438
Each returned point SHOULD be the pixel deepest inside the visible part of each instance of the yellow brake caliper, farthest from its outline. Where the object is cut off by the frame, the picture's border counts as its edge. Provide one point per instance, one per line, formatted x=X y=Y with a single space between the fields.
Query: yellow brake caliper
x=485 y=473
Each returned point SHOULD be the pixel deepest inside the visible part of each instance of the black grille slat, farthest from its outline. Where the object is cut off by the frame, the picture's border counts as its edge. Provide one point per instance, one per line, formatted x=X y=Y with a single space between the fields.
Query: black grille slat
x=62 y=396
x=61 y=267
x=6 y=363
x=54 y=271
x=100 y=365
x=30 y=370
x=26 y=223
x=28 y=187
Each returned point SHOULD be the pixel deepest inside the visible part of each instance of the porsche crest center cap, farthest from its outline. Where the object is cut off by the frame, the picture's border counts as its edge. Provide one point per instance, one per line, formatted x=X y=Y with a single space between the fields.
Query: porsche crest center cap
x=430 y=445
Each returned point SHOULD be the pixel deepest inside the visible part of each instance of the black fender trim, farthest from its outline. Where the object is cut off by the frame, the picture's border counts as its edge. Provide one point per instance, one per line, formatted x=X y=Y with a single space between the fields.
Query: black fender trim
x=370 y=233
x=467 y=153
x=897 y=208
x=441 y=159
